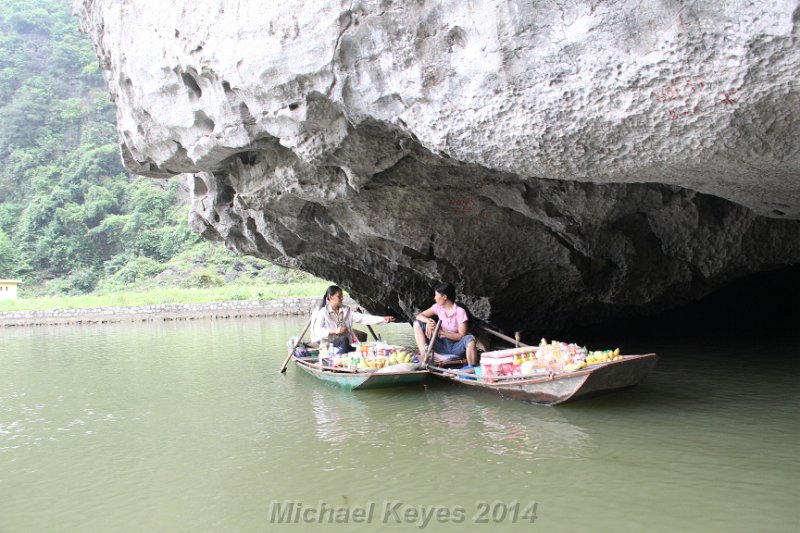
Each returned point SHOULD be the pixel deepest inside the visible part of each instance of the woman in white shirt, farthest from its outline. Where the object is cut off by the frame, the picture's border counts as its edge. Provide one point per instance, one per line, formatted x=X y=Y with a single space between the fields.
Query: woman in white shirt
x=333 y=322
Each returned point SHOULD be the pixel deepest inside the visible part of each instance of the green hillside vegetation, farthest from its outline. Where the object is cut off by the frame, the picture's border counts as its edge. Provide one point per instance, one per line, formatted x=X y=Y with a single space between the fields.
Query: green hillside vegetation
x=72 y=220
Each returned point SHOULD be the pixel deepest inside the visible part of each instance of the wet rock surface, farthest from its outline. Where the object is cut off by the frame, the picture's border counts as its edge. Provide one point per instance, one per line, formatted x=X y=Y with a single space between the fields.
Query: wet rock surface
x=560 y=164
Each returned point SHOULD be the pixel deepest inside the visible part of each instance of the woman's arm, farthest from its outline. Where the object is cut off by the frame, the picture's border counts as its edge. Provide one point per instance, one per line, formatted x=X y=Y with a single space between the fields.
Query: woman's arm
x=463 y=329
x=371 y=320
x=318 y=331
x=426 y=316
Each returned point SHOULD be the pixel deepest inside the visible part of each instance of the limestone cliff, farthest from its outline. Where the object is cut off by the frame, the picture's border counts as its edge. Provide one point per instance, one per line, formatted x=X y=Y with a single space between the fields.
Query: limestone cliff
x=560 y=162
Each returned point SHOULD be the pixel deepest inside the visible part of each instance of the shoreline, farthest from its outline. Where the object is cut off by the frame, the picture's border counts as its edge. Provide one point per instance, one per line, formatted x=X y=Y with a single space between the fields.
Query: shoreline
x=163 y=312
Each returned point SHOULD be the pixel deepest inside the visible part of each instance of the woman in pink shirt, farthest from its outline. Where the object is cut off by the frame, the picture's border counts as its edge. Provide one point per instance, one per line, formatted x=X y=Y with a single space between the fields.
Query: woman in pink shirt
x=453 y=337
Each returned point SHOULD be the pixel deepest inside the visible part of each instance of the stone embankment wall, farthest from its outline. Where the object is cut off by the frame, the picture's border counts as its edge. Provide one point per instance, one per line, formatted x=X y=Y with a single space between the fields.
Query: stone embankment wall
x=214 y=310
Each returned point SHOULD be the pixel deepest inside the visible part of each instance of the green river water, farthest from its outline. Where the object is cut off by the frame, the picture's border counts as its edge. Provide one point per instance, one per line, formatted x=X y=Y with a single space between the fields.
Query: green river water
x=188 y=426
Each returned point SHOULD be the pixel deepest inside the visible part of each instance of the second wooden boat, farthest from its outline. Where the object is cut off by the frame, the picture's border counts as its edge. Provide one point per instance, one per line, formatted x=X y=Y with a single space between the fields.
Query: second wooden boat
x=555 y=389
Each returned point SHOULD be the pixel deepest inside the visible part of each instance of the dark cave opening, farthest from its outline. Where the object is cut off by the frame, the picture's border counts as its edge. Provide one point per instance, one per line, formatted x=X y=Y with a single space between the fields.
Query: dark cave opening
x=762 y=305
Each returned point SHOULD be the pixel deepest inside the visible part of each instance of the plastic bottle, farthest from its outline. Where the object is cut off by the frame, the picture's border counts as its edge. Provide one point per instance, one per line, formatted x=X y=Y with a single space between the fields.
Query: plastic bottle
x=323 y=351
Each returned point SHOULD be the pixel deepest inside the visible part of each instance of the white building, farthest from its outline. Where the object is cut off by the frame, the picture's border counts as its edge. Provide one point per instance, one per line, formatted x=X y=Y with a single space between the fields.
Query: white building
x=8 y=289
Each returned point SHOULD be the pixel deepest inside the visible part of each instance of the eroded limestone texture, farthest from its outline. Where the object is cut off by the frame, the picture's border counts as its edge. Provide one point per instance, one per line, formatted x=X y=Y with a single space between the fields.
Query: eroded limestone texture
x=560 y=162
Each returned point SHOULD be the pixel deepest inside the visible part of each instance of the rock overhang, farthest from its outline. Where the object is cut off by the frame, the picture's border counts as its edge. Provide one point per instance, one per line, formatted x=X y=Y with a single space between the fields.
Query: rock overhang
x=559 y=164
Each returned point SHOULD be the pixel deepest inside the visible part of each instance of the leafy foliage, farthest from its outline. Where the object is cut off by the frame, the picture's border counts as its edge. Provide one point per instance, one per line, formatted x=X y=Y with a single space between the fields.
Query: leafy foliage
x=72 y=220
x=8 y=256
x=70 y=215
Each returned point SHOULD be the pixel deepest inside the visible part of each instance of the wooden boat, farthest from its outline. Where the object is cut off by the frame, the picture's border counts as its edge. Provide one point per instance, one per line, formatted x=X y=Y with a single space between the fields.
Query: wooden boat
x=354 y=380
x=554 y=389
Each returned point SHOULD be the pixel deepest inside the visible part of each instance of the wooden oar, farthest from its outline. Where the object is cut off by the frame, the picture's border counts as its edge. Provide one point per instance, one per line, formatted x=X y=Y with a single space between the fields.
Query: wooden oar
x=296 y=343
x=429 y=352
x=372 y=331
x=504 y=337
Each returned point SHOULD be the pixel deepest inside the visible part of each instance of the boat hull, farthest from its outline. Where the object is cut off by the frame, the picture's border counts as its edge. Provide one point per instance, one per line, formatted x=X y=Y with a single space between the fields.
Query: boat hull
x=362 y=380
x=566 y=387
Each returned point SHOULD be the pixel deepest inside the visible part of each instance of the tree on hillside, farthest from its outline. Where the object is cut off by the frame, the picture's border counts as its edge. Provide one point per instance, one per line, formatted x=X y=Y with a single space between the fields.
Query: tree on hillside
x=9 y=262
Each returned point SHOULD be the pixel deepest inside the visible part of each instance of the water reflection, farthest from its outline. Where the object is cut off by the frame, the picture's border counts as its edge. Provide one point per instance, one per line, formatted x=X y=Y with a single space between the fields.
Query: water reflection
x=338 y=418
x=509 y=438
x=505 y=428
x=446 y=421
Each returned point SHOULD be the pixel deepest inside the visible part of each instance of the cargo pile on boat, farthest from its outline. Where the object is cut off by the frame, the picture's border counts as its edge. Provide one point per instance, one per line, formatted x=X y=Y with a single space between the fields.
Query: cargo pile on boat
x=547 y=358
x=367 y=356
x=602 y=356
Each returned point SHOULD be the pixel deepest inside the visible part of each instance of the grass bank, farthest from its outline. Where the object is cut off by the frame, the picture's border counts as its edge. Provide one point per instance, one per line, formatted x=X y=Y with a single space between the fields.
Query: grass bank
x=169 y=295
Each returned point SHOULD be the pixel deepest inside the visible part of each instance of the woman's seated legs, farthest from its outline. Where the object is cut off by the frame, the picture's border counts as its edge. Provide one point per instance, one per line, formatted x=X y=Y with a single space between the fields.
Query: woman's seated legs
x=419 y=336
x=464 y=346
x=459 y=347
